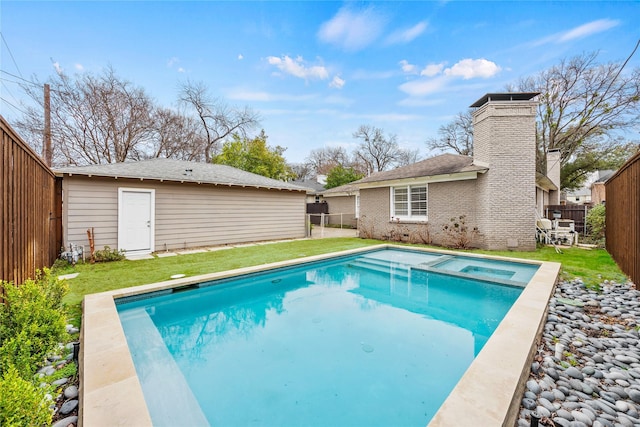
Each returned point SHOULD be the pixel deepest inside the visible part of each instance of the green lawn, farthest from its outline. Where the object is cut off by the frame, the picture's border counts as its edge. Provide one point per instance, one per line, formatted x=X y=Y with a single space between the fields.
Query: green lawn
x=592 y=266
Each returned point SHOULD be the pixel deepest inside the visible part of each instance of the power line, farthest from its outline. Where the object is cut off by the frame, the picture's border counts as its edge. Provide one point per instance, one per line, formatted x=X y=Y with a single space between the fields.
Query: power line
x=20 y=78
x=11 y=105
x=8 y=90
x=11 y=54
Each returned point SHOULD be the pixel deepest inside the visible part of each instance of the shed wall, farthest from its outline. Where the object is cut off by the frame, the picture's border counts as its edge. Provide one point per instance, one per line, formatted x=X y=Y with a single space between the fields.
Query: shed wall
x=186 y=215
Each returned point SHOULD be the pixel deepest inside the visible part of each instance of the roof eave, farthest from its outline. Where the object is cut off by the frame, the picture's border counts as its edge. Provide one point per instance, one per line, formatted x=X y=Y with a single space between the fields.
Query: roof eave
x=180 y=181
x=450 y=177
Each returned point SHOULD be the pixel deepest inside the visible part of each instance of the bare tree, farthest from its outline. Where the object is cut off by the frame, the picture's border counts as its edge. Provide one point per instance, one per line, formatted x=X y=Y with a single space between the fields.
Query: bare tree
x=303 y=171
x=376 y=152
x=322 y=160
x=407 y=157
x=177 y=136
x=218 y=120
x=456 y=136
x=94 y=119
x=583 y=101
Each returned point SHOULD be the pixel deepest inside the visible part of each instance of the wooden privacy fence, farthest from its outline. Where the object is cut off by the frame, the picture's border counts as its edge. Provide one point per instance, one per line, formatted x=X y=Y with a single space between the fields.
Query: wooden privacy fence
x=31 y=211
x=578 y=213
x=622 y=221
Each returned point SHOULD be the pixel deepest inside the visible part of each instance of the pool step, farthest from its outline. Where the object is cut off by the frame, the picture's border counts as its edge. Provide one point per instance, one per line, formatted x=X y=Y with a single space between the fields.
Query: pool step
x=383 y=266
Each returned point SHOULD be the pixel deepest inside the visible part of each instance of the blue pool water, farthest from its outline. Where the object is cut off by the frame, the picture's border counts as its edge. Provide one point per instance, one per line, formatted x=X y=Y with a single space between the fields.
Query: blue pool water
x=379 y=338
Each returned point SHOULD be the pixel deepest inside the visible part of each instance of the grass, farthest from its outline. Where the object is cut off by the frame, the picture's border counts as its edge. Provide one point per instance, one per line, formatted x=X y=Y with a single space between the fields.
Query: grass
x=592 y=266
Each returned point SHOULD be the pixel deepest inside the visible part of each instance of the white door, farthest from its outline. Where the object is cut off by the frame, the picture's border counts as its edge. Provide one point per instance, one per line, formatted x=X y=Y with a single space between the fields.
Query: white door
x=135 y=220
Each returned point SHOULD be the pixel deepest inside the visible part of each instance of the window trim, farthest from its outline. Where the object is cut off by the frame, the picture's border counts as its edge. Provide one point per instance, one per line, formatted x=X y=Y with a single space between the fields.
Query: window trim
x=409 y=216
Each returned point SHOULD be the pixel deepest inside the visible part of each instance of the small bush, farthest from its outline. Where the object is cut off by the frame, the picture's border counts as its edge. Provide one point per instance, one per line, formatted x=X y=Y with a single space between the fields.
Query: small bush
x=458 y=234
x=21 y=402
x=107 y=255
x=32 y=322
x=595 y=222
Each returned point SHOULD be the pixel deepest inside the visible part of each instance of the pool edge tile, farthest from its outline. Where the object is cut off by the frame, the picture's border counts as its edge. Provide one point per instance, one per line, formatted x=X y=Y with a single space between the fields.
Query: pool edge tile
x=113 y=402
x=490 y=388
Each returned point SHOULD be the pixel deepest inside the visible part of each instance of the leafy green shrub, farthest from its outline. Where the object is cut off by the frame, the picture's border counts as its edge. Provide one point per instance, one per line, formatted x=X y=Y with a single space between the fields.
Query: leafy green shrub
x=22 y=403
x=68 y=370
x=107 y=254
x=32 y=322
x=595 y=222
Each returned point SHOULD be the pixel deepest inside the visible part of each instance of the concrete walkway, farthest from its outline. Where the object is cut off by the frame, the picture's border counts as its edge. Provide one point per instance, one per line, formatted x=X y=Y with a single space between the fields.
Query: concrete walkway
x=326 y=232
x=317 y=233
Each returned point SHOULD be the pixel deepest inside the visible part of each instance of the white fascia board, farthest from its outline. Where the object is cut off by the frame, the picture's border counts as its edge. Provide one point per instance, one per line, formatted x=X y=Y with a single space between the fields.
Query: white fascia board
x=462 y=176
x=342 y=194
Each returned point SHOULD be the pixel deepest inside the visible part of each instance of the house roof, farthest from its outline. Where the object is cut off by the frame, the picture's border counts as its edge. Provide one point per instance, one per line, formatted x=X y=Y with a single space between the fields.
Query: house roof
x=181 y=171
x=545 y=183
x=311 y=185
x=504 y=96
x=343 y=190
x=444 y=164
x=603 y=175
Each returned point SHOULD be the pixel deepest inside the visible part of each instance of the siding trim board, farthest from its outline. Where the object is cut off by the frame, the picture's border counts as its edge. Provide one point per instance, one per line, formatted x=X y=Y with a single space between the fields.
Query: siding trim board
x=185 y=215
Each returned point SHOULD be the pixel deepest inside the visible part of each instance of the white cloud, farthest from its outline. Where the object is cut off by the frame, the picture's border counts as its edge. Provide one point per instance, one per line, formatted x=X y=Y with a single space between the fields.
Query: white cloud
x=423 y=87
x=337 y=82
x=408 y=68
x=172 y=61
x=588 y=29
x=352 y=30
x=181 y=70
x=470 y=68
x=407 y=35
x=578 y=32
x=297 y=68
x=79 y=67
x=432 y=70
x=240 y=57
x=58 y=67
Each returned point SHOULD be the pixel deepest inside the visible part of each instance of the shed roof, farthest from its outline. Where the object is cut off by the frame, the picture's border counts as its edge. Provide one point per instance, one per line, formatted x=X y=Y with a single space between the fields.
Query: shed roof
x=181 y=171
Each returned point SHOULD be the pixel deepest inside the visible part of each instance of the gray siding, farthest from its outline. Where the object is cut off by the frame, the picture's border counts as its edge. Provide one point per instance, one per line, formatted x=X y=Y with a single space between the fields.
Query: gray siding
x=186 y=215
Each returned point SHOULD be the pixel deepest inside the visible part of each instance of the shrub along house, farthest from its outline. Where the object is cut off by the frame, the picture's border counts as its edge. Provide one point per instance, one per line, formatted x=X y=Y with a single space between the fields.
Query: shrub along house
x=164 y=204
x=495 y=191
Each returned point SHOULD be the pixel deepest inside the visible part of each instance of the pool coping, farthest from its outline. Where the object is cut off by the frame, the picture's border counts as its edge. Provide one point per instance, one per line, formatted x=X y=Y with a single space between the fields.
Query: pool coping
x=488 y=394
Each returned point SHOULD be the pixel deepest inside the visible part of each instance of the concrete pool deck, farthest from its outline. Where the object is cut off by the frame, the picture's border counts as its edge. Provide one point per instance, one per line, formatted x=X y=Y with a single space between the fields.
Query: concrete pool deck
x=487 y=395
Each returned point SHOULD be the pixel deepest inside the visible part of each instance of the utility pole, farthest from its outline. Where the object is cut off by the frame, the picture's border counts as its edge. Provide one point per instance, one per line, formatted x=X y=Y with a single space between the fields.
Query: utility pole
x=47 y=126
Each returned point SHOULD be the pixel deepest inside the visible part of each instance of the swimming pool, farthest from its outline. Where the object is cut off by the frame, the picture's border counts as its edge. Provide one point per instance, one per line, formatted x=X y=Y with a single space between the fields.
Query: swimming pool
x=110 y=392
x=379 y=338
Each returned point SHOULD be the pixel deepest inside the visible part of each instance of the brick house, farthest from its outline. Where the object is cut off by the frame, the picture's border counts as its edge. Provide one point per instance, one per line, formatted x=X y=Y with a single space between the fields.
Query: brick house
x=497 y=191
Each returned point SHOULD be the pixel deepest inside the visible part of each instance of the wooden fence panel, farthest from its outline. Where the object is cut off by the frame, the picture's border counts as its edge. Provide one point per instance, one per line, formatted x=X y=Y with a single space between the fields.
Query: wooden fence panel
x=31 y=212
x=578 y=213
x=622 y=230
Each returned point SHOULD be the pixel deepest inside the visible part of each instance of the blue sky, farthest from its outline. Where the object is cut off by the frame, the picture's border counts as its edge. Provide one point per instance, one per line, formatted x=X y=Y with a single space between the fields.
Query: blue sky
x=315 y=70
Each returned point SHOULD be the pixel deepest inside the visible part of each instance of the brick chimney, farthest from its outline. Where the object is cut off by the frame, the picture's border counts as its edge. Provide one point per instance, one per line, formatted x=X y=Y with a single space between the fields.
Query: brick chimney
x=553 y=173
x=504 y=139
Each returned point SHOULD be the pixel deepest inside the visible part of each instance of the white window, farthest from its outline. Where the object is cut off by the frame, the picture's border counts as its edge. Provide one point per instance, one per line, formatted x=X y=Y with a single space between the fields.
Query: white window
x=357 y=206
x=409 y=202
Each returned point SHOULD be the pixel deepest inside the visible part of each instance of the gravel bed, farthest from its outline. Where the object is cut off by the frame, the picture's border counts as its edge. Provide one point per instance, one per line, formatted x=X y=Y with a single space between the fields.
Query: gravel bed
x=586 y=372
